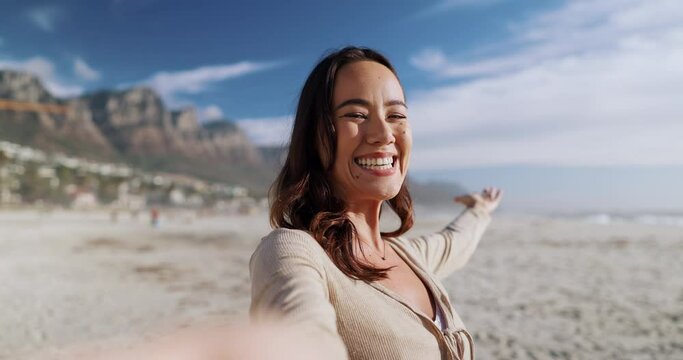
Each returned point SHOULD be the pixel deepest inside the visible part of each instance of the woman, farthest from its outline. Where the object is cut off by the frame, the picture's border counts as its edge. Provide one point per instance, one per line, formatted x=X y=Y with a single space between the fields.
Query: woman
x=327 y=267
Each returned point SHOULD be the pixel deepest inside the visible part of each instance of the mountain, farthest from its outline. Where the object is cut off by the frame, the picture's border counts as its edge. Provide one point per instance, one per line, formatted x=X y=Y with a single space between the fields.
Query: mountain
x=66 y=125
x=21 y=86
x=274 y=156
x=131 y=125
x=136 y=123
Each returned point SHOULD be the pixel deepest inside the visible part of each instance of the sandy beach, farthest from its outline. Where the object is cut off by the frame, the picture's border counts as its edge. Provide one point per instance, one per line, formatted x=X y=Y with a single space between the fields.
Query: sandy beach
x=537 y=287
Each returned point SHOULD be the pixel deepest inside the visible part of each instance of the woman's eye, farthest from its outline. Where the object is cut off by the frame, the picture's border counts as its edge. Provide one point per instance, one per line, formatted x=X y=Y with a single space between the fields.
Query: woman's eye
x=356 y=116
x=397 y=116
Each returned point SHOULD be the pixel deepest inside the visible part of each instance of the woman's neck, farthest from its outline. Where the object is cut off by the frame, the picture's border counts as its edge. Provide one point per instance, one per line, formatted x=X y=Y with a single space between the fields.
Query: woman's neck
x=365 y=217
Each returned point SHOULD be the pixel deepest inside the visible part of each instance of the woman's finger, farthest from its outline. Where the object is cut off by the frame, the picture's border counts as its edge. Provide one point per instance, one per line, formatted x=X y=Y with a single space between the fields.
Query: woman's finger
x=498 y=194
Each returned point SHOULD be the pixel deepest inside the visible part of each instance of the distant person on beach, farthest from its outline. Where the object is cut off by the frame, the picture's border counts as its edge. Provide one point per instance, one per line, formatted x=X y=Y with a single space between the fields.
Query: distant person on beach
x=154 y=217
x=326 y=268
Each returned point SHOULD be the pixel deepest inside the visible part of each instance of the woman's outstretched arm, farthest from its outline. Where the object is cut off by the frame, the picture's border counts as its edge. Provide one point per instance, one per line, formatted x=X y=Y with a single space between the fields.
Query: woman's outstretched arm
x=289 y=285
x=448 y=250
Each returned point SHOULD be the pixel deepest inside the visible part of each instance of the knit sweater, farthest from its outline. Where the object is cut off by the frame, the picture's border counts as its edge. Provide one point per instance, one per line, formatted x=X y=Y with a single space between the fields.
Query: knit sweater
x=293 y=276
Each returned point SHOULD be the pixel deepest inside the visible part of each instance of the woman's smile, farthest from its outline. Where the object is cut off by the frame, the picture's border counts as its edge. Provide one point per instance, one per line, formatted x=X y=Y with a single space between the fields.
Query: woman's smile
x=377 y=163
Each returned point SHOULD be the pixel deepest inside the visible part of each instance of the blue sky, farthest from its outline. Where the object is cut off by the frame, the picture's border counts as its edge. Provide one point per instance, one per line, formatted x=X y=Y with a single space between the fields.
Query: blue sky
x=540 y=98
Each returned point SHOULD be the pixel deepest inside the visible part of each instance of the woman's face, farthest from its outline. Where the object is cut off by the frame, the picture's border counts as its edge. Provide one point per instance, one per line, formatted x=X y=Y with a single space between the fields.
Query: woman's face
x=373 y=135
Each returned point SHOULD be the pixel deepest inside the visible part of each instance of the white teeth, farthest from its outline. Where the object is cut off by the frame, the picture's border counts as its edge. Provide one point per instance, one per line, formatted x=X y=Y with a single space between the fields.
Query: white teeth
x=376 y=163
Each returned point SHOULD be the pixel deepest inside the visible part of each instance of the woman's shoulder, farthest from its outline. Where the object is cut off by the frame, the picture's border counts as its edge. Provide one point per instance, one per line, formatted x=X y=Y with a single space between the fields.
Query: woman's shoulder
x=400 y=241
x=282 y=242
x=284 y=238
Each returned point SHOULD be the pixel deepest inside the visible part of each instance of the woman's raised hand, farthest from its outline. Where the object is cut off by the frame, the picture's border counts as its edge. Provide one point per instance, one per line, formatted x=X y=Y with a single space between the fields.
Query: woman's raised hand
x=488 y=199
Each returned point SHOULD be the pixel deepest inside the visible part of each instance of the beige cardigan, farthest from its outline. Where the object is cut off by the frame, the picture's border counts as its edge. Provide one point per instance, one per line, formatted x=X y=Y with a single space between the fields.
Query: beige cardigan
x=293 y=276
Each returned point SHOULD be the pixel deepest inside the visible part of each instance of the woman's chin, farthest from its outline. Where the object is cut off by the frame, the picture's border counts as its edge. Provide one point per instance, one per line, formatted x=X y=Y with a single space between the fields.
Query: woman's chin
x=384 y=193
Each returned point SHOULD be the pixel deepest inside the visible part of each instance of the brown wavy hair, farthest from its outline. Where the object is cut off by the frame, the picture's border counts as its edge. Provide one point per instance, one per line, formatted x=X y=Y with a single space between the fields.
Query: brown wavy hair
x=302 y=195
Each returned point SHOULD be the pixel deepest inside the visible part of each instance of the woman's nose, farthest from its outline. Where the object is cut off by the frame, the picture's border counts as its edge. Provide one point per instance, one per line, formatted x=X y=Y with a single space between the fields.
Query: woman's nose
x=379 y=132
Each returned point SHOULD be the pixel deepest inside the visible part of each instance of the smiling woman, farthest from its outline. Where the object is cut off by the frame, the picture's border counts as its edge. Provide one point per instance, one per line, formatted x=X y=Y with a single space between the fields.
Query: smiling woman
x=327 y=268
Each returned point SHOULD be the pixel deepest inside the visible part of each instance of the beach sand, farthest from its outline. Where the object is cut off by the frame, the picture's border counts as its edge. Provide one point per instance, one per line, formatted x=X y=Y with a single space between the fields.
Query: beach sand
x=537 y=287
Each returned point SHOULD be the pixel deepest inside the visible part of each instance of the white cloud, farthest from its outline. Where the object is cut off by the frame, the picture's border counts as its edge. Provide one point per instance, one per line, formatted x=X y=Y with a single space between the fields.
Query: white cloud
x=40 y=66
x=170 y=84
x=445 y=5
x=63 y=90
x=44 y=17
x=44 y=69
x=85 y=71
x=580 y=26
x=429 y=60
x=274 y=131
x=599 y=84
x=211 y=112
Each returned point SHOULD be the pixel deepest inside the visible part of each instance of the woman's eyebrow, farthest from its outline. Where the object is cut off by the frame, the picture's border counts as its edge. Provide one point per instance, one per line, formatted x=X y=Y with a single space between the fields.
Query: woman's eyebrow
x=396 y=102
x=367 y=103
x=352 y=102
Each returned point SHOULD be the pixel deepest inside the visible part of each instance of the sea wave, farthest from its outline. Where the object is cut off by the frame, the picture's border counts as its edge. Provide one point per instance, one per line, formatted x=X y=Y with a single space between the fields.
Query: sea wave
x=649 y=219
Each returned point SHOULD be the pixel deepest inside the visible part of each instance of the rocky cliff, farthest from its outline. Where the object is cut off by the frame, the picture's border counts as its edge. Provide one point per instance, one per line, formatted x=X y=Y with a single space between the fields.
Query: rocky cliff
x=21 y=86
x=60 y=125
x=130 y=125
